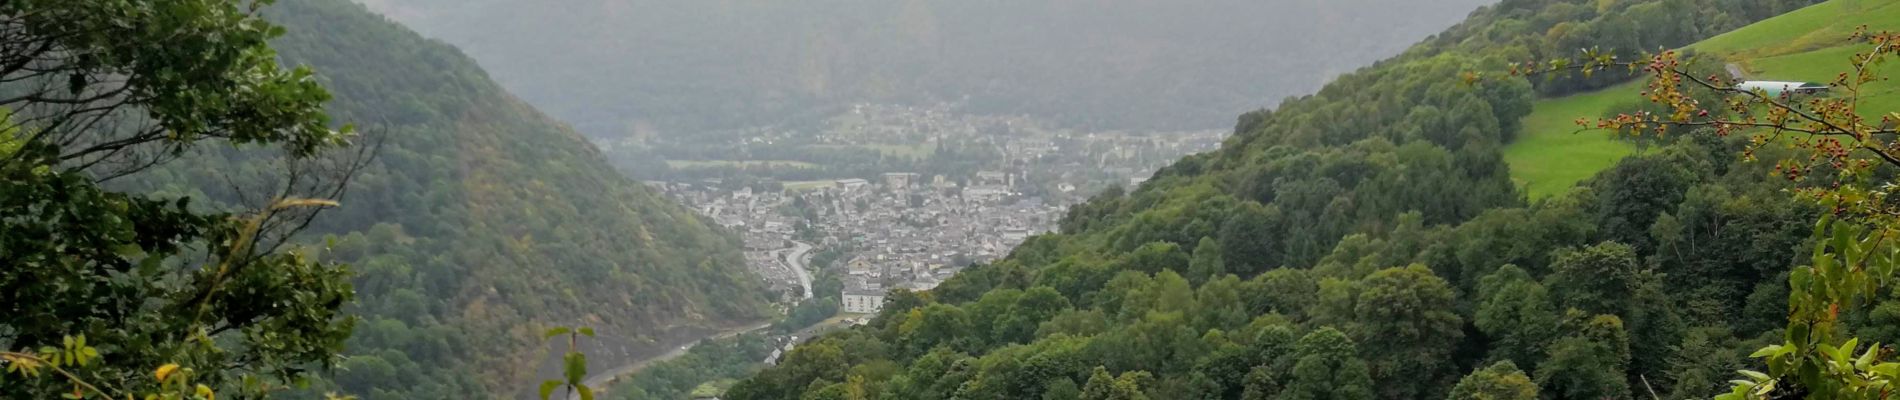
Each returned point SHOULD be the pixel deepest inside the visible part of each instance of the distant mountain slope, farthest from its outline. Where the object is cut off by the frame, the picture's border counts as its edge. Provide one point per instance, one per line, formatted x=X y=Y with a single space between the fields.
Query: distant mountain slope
x=483 y=221
x=1810 y=44
x=620 y=67
x=1367 y=242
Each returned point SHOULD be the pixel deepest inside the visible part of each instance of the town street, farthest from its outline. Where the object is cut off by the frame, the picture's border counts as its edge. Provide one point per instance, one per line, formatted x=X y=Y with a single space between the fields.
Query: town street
x=796 y=259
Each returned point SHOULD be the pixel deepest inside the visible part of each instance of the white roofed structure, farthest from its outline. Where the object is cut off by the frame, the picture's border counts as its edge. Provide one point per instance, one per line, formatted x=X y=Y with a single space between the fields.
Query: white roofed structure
x=1777 y=88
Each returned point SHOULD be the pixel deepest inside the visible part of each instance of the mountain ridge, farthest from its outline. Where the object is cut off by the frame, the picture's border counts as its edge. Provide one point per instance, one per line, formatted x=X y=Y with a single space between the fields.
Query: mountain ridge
x=1124 y=64
x=483 y=221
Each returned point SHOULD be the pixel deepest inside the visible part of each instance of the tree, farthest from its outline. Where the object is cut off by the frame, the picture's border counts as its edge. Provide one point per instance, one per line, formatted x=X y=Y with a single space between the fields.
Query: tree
x=1207 y=262
x=813 y=363
x=1019 y=324
x=1329 y=368
x=1260 y=384
x=1155 y=257
x=1702 y=363
x=1219 y=304
x=1250 y=240
x=1595 y=279
x=932 y=326
x=1062 y=389
x=1105 y=386
x=1516 y=315
x=1654 y=330
x=1287 y=291
x=1500 y=381
x=98 y=90
x=1409 y=312
x=1589 y=364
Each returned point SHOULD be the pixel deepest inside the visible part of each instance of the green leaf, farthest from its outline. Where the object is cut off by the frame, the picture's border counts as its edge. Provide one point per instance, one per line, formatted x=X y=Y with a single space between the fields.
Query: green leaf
x=576 y=367
x=1766 y=351
x=589 y=331
x=1846 y=351
x=1756 y=376
x=1889 y=370
x=1866 y=359
x=586 y=393
x=547 y=388
x=555 y=331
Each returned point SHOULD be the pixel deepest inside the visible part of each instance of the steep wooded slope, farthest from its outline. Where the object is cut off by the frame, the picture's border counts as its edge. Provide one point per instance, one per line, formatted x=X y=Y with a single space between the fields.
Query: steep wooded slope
x=482 y=221
x=1367 y=242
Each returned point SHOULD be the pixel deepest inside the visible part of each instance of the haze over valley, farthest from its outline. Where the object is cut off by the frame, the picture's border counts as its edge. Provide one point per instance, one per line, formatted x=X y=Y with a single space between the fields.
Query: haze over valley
x=936 y=199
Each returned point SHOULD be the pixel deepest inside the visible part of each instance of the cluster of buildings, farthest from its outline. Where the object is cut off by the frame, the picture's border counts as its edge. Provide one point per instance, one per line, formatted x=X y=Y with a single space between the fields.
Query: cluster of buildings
x=1011 y=177
x=911 y=232
x=899 y=231
x=757 y=217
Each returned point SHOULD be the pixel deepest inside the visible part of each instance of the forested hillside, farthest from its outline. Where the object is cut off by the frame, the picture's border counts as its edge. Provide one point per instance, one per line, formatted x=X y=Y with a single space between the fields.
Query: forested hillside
x=616 y=67
x=1367 y=242
x=481 y=221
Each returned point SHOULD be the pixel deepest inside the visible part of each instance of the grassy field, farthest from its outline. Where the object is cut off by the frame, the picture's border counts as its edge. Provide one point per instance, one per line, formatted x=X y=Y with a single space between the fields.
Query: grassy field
x=1551 y=155
x=894 y=150
x=1810 y=44
x=808 y=185
x=1816 y=27
x=1876 y=98
x=690 y=164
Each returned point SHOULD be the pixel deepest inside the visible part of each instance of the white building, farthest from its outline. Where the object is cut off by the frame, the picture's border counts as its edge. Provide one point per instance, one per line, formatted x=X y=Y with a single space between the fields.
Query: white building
x=984 y=194
x=1777 y=88
x=863 y=300
x=899 y=180
x=851 y=184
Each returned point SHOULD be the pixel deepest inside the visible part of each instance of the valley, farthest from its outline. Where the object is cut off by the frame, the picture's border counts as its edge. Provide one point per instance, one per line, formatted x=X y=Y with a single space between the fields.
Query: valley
x=949 y=200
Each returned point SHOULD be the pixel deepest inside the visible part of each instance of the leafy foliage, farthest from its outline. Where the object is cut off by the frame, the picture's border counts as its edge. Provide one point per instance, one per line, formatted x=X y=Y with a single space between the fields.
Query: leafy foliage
x=1501 y=381
x=211 y=300
x=479 y=222
x=1375 y=222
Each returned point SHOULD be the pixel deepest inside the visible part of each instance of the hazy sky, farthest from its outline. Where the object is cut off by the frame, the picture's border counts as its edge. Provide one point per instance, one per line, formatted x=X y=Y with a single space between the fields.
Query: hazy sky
x=614 y=67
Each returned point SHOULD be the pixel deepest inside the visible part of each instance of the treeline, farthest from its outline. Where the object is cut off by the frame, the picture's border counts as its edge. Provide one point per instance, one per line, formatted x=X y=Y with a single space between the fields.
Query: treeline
x=1527 y=30
x=479 y=221
x=1365 y=242
x=709 y=361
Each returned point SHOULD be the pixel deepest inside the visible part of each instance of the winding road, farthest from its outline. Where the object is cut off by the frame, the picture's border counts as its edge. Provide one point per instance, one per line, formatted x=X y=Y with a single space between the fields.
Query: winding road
x=602 y=380
x=796 y=259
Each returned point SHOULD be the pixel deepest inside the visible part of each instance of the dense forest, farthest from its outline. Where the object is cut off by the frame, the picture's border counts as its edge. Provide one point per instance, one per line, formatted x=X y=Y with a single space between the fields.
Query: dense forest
x=198 y=199
x=617 y=68
x=1366 y=242
x=478 y=222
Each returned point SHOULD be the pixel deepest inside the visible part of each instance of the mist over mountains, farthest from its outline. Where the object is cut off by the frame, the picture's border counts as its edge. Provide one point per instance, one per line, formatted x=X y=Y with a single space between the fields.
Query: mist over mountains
x=622 y=67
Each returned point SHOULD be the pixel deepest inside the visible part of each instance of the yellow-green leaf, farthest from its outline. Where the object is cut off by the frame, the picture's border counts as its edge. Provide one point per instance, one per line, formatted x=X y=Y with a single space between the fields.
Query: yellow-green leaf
x=164 y=371
x=547 y=388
